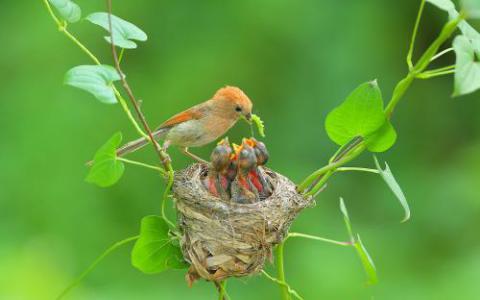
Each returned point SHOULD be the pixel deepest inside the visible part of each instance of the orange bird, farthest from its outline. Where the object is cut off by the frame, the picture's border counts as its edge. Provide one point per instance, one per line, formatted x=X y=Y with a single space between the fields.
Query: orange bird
x=200 y=124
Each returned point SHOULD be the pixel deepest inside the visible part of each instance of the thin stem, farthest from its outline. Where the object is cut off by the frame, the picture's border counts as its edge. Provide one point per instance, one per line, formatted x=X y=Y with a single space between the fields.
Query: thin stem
x=441 y=53
x=428 y=75
x=124 y=105
x=164 y=159
x=168 y=188
x=95 y=263
x=120 y=56
x=281 y=272
x=222 y=292
x=414 y=35
x=137 y=163
x=284 y=285
x=437 y=72
x=354 y=152
x=312 y=237
x=347 y=169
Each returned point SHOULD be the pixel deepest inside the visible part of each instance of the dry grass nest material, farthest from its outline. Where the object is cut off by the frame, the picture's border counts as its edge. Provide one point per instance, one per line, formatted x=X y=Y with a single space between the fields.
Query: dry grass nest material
x=222 y=239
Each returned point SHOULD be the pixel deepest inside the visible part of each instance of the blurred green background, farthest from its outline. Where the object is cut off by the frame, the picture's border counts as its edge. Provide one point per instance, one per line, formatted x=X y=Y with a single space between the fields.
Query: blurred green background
x=296 y=61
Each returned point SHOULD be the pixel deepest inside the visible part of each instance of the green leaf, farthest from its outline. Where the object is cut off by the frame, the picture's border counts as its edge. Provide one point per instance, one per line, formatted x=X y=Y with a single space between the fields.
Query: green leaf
x=259 y=123
x=446 y=5
x=155 y=250
x=388 y=177
x=365 y=258
x=123 y=32
x=361 y=114
x=383 y=139
x=68 y=10
x=467 y=67
x=95 y=79
x=106 y=169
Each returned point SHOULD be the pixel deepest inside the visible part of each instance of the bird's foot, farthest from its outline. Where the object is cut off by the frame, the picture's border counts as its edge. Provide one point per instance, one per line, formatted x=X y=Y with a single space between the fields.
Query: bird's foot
x=195 y=157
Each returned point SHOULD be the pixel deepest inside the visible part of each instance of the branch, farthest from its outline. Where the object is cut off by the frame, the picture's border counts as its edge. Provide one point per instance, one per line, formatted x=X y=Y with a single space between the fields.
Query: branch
x=163 y=156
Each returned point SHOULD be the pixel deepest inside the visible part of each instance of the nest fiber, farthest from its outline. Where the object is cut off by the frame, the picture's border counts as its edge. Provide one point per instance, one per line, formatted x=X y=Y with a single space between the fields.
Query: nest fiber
x=223 y=239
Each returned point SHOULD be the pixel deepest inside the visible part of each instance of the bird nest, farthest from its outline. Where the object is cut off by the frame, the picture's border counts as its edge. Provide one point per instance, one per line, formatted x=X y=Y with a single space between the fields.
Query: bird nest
x=222 y=239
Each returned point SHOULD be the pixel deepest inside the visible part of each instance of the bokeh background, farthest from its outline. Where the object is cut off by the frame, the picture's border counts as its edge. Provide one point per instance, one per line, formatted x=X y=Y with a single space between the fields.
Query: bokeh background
x=296 y=60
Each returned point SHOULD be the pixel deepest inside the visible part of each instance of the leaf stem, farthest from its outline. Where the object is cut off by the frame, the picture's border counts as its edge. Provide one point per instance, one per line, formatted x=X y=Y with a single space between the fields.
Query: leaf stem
x=222 y=292
x=137 y=163
x=441 y=53
x=312 y=237
x=94 y=264
x=284 y=285
x=284 y=288
x=414 y=35
x=437 y=72
x=319 y=177
x=347 y=169
x=168 y=188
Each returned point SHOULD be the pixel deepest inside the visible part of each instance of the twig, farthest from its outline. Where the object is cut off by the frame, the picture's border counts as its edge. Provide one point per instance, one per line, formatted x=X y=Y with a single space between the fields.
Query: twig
x=161 y=154
x=284 y=284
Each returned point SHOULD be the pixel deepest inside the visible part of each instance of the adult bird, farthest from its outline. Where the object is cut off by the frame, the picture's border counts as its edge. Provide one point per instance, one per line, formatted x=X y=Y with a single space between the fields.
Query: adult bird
x=200 y=124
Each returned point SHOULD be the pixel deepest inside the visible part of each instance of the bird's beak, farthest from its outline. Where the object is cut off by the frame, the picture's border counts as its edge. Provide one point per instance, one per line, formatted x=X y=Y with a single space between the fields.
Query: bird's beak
x=248 y=117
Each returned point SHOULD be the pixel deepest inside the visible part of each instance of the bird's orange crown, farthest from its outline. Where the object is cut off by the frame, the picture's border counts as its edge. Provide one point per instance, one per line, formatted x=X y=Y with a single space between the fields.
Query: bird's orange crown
x=234 y=94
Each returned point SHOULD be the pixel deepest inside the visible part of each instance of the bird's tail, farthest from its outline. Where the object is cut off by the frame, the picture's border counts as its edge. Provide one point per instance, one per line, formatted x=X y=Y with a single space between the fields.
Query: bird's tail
x=139 y=143
x=136 y=144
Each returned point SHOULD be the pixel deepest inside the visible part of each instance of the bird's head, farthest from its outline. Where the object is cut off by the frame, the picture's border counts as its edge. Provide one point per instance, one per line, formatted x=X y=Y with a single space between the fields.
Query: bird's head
x=233 y=103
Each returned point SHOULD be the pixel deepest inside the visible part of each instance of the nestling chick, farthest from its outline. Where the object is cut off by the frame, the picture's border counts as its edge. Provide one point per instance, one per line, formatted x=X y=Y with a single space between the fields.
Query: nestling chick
x=243 y=190
x=218 y=181
x=256 y=176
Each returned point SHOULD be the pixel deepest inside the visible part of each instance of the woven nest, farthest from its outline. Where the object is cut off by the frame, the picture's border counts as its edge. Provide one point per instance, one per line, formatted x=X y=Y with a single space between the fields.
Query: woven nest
x=221 y=238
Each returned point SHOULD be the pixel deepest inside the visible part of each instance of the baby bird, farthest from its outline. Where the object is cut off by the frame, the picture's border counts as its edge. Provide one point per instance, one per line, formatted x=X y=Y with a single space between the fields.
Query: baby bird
x=243 y=190
x=256 y=176
x=218 y=182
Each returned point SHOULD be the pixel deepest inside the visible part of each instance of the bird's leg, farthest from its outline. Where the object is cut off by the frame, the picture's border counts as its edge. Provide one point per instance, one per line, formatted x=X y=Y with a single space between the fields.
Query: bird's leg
x=186 y=152
x=165 y=146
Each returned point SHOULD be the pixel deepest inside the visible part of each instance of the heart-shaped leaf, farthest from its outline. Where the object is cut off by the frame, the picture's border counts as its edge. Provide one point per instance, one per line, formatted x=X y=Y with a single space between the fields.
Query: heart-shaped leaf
x=155 y=251
x=361 y=114
x=95 y=79
x=446 y=5
x=106 y=169
x=382 y=139
x=68 y=10
x=388 y=177
x=467 y=67
x=365 y=258
x=123 y=32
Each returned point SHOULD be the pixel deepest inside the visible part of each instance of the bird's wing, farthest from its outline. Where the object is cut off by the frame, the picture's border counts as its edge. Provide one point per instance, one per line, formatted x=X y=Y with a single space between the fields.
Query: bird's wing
x=190 y=114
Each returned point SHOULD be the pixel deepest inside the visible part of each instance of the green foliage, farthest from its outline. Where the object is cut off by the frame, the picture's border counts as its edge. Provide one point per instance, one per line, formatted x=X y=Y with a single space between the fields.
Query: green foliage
x=387 y=175
x=106 y=169
x=259 y=124
x=361 y=114
x=95 y=79
x=155 y=250
x=467 y=69
x=69 y=10
x=365 y=258
x=446 y=5
x=123 y=32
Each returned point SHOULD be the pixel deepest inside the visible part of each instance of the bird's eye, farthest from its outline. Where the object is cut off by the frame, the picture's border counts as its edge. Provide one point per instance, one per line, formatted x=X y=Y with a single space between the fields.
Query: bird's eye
x=238 y=109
